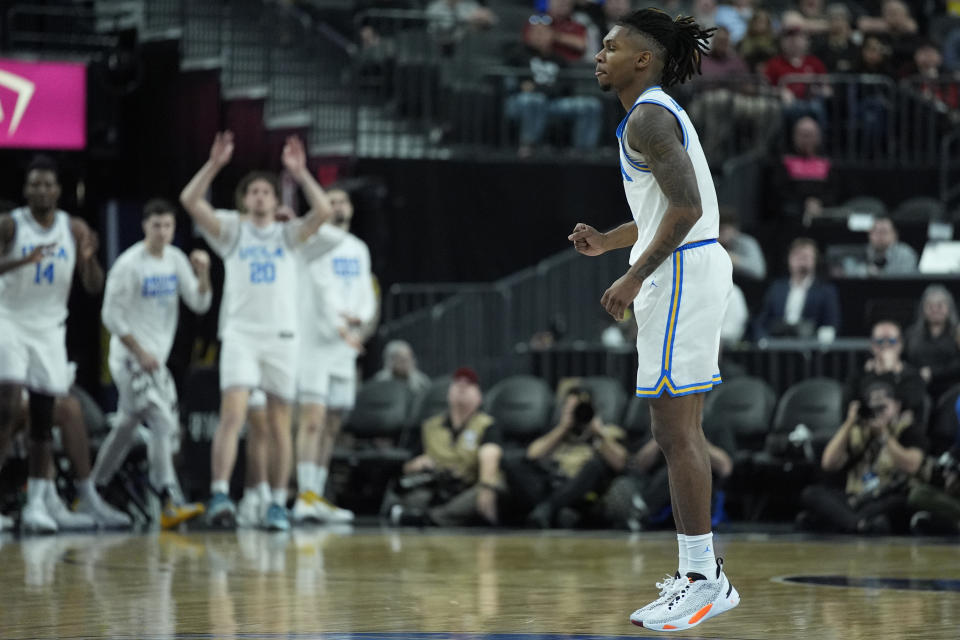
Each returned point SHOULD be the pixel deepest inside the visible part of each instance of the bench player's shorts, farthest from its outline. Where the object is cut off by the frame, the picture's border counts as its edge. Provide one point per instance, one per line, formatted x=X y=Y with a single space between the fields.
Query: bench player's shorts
x=255 y=360
x=34 y=357
x=326 y=378
x=679 y=312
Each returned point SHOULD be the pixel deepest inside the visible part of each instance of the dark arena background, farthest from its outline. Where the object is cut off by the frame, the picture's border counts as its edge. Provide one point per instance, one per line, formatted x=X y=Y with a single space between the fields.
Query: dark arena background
x=470 y=138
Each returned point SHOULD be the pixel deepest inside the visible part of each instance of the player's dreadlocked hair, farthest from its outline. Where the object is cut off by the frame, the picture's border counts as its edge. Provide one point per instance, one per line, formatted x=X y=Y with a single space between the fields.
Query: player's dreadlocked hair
x=680 y=43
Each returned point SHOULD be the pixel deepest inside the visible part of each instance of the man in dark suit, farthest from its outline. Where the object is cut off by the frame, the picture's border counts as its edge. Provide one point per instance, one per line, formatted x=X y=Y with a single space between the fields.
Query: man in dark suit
x=800 y=304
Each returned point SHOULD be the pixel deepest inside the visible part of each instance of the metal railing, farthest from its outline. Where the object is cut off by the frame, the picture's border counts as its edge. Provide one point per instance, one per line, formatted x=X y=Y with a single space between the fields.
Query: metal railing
x=67 y=27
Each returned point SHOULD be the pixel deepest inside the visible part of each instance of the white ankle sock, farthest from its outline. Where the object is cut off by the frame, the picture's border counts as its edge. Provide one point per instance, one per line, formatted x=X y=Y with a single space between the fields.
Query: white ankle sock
x=280 y=497
x=220 y=486
x=700 y=557
x=307 y=476
x=36 y=490
x=85 y=489
x=265 y=494
x=321 y=482
x=682 y=545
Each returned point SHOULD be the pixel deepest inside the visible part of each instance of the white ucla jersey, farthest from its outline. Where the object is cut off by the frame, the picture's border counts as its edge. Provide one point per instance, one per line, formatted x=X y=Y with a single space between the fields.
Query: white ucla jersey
x=260 y=277
x=647 y=201
x=340 y=283
x=142 y=298
x=36 y=295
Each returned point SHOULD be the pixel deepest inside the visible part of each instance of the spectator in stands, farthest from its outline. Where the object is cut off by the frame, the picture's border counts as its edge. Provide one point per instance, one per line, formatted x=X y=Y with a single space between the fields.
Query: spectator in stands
x=611 y=11
x=874 y=58
x=744 y=250
x=880 y=447
x=895 y=27
x=731 y=110
x=455 y=479
x=640 y=499
x=933 y=341
x=925 y=75
x=735 y=318
x=799 y=98
x=800 y=304
x=809 y=16
x=709 y=14
x=450 y=20
x=760 y=42
x=836 y=48
x=723 y=58
x=399 y=363
x=579 y=456
x=804 y=180
x=885 y=255
x=569 y=36
x=887 y=365
x=543 y=96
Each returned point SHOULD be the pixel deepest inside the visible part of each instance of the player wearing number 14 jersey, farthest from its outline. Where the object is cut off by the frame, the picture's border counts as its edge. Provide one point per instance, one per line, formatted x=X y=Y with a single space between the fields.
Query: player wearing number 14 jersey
x=259 y=333
x=40 y=248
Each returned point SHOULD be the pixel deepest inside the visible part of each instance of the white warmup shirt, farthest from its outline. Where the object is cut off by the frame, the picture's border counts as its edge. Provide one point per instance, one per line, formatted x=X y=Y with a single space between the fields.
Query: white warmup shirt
x=339 y=282
x=142 y=298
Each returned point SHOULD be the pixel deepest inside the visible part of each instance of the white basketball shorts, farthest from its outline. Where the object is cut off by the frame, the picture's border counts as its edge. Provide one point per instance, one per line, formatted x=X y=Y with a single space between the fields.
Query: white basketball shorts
x=324 y=379
x=255 y=360
x=34 y=357
x=679 y=311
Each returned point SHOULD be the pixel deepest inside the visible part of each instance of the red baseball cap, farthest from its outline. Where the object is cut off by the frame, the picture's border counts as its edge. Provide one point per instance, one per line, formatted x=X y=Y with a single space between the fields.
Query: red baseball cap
x=468 y=374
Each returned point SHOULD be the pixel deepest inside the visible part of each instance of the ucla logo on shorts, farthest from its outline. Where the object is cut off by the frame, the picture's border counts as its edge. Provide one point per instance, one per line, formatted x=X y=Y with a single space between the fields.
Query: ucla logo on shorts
x=159 y=286
x=346 y=267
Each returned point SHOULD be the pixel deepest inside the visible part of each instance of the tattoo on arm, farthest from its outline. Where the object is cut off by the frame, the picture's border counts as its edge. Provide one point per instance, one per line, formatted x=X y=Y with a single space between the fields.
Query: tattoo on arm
x=653 y=132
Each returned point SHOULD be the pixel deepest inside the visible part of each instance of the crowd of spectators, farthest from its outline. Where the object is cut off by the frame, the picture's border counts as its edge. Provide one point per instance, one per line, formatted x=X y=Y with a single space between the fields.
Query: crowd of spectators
x=757 y=49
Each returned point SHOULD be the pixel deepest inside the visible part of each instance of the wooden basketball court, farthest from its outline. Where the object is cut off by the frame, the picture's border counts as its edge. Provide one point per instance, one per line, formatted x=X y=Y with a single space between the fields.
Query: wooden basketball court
x=407 y=585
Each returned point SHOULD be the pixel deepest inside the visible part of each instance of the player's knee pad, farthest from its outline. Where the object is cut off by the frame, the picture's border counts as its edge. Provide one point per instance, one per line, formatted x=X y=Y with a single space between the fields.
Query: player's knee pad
x=41 y=417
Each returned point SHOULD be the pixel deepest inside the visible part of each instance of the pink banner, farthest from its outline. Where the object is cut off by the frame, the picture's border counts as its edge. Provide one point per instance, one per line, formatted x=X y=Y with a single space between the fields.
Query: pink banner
x=43 y=105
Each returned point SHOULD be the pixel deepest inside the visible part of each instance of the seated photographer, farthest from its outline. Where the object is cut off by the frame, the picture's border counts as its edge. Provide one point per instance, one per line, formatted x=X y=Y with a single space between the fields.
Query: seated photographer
x=641 y=498
x=887 y=365
x=561 y=469
x=455 y=480
x=879 y=448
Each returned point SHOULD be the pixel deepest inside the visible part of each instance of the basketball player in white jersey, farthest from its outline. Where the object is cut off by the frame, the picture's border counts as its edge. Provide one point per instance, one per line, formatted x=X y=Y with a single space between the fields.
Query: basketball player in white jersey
x=141 y=309
x=40 y=248
x=338 y=303
x=260 y=332
x=678 y=282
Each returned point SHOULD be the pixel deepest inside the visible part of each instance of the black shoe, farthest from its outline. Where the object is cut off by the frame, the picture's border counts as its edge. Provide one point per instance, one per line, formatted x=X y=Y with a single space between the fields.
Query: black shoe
x=541 y=517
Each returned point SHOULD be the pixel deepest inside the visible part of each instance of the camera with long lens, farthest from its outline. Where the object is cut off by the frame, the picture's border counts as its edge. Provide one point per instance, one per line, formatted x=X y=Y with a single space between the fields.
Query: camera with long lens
x=584 y=412
x=865 y=412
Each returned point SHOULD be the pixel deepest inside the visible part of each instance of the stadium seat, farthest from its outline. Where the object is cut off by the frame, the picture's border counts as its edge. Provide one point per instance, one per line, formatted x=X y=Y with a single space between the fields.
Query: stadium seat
x=787 y=464
x=430 y=402
x=745 y=405
x=636 y=421
x=521 y=405
x=866 y=204
x=382 y=409
x=944 y=429
x=919 y=209
x=817 y=403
